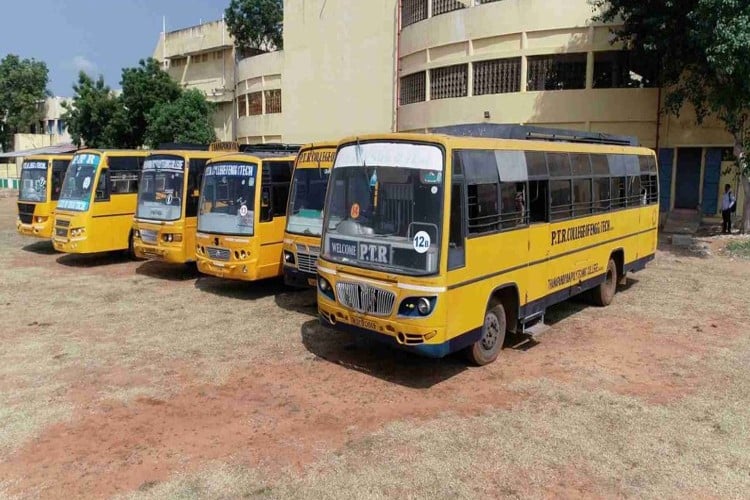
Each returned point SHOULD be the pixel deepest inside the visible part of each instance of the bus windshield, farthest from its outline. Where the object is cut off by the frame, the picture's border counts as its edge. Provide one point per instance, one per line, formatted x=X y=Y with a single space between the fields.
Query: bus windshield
x=384 y=210
x=307 y=200
x=78 y=183
x=33 y=181
x=227 y=203
x=160 y=191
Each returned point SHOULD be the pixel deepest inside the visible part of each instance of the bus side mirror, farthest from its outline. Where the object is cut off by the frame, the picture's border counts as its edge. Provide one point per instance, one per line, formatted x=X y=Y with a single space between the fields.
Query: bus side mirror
x=196 y=193
x=265 y=201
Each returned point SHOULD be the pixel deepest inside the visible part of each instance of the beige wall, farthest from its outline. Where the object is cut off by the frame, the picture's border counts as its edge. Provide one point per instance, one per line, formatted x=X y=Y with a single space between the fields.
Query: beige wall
x=339 y=68
x=258 y=74
x=523 y=28
x=202 y=57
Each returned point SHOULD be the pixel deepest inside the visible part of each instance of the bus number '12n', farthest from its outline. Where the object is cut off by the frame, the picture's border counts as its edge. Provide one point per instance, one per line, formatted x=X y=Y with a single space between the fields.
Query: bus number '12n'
x=304 y=221
x=439 y=243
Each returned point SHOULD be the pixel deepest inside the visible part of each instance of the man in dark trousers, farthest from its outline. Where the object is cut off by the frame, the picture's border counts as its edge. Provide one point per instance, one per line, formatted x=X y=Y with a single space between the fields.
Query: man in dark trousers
x=727 y=206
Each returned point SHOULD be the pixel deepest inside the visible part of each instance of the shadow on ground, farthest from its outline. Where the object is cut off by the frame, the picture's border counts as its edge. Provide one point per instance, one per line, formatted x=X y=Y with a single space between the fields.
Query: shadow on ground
x=236 y=289
x=378 y=360
x=303 y=301
x=93 y=260
x=41 y=248
x=168 y=272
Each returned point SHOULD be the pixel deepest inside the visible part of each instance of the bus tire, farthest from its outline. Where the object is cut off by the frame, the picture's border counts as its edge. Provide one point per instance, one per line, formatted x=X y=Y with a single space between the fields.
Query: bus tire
x=487 y=348
x=605 y=291
x=131 y=246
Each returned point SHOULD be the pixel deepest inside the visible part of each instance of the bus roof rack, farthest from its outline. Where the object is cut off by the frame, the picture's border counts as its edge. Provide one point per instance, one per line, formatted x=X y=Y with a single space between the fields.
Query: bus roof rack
x=183 y=146
x=270 y=147
x=533 y=133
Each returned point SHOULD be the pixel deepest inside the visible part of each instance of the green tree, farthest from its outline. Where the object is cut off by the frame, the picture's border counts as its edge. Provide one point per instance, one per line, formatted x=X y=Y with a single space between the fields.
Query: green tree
x=143 y=88
x=256 y=24
x=188 y=119
x=702 y=50
x=23 y=84
x=89 y=117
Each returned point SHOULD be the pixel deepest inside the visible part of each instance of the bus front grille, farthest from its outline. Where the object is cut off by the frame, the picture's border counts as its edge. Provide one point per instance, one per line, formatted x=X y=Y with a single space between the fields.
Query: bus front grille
x=148 y=236
x=218 y=253
x=26 y=212
x=61 y=231
x=366 y=298
x=307 y=258
x=62 y=222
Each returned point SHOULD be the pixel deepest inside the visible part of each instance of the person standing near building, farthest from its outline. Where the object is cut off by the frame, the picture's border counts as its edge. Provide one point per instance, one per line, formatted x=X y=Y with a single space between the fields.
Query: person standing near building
x=727 y=207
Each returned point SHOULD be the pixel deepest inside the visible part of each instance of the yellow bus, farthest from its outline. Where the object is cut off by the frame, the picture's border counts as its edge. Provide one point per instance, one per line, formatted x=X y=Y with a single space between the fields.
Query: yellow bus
x=41 y=181
x=97 y=202
x=439 y=243
x=167 y=213
x=304 y=221
x=242 y=214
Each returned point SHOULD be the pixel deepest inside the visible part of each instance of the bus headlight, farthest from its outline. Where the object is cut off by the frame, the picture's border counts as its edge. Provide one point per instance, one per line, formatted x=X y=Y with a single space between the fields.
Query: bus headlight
x=170 y=238
x=424 y=306
x=417 y=306
x=137 y=233
x=76 y=232
x=39 y=220
x=288 y=257
x=325 y=288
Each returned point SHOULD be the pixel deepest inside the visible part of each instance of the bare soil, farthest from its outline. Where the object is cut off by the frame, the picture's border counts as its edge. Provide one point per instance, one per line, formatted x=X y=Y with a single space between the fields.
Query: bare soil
x=145 y=380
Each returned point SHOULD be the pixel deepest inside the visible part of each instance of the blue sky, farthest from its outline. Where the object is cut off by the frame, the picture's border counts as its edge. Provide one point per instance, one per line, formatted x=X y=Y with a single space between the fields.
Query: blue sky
x=98 y=36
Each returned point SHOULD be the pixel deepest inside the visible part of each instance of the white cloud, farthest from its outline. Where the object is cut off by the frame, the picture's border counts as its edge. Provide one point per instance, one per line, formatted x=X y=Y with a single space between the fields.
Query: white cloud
x=80 y=63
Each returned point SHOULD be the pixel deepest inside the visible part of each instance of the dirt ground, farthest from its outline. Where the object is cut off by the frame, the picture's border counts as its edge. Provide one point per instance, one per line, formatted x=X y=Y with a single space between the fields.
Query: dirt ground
x=140 y=380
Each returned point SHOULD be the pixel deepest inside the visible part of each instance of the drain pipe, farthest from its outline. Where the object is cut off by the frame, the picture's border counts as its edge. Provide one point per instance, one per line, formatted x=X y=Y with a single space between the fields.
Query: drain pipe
x=397 y=63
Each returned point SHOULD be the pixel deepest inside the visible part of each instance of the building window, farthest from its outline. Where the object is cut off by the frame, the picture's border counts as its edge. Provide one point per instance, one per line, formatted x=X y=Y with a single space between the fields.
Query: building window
x=617 y=69
x=255 y=104
x=497 y=76
x=443 y=6
x=413 y=11
x=204 y=57
x=480 y=2
x=413 y=88
x=273 y=101
x=176 y=62
x=60 y=127
x=557 y=72
x=450 y=81
x=242 y=106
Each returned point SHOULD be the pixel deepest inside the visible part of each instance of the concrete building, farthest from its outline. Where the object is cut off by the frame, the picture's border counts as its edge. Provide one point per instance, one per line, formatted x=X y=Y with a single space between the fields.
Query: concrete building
x=203 y=57
x=409 y=65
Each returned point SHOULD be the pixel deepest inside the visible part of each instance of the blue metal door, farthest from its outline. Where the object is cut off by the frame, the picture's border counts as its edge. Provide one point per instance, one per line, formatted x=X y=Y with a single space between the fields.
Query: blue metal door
x=666 y=157
x=687 y=188
x=711 y=179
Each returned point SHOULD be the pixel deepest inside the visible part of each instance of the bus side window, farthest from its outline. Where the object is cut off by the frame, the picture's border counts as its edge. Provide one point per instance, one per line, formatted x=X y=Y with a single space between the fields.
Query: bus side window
x=537 y=200
x=102 y=187
x=456 y=247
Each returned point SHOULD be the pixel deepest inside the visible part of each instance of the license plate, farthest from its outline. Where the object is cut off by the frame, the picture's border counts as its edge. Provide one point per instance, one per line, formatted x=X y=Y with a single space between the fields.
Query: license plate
x=363 y=323
x=312 y=281
x=61 y=240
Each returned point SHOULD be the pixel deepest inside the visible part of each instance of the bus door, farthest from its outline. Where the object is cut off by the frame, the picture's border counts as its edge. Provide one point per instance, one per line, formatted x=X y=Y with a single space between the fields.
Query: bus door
x=538 y=235
x=274 y=195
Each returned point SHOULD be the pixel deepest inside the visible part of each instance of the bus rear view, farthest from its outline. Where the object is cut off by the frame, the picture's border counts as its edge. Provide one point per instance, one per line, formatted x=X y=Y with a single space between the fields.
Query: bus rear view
x=41 y=182
x=304 y=222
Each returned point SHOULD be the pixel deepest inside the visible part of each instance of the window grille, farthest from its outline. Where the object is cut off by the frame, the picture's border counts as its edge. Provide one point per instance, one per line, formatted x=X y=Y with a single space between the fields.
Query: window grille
x=443 y=6
x=497 y=76
x=242 y=106
x=413 y=11
x=618 y=69
x=273 y=101
x=413 y=88
x=255 y=104
x=450 y=81
x=557 y=72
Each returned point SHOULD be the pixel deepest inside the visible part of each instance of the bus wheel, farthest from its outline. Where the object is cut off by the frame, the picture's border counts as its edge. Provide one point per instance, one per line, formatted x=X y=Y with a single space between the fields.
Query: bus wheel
x=605 y=292
x=486 y=349
x=131 y=246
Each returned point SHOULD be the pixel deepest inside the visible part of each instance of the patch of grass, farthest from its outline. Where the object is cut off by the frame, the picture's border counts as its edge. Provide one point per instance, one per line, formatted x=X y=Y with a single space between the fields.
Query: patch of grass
x=739 y=248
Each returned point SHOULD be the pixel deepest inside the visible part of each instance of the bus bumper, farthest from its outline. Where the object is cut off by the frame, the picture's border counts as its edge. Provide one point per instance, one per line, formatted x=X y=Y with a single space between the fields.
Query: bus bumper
x=161 y=253
x=299 y=279
x=43 y=230
x=70 y=245
x=422 y=340
x=244 y=271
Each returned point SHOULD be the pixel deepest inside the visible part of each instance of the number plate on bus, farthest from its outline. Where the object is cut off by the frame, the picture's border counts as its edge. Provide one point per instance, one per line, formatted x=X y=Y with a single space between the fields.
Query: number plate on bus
x=363 y=323
x=312 y=281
